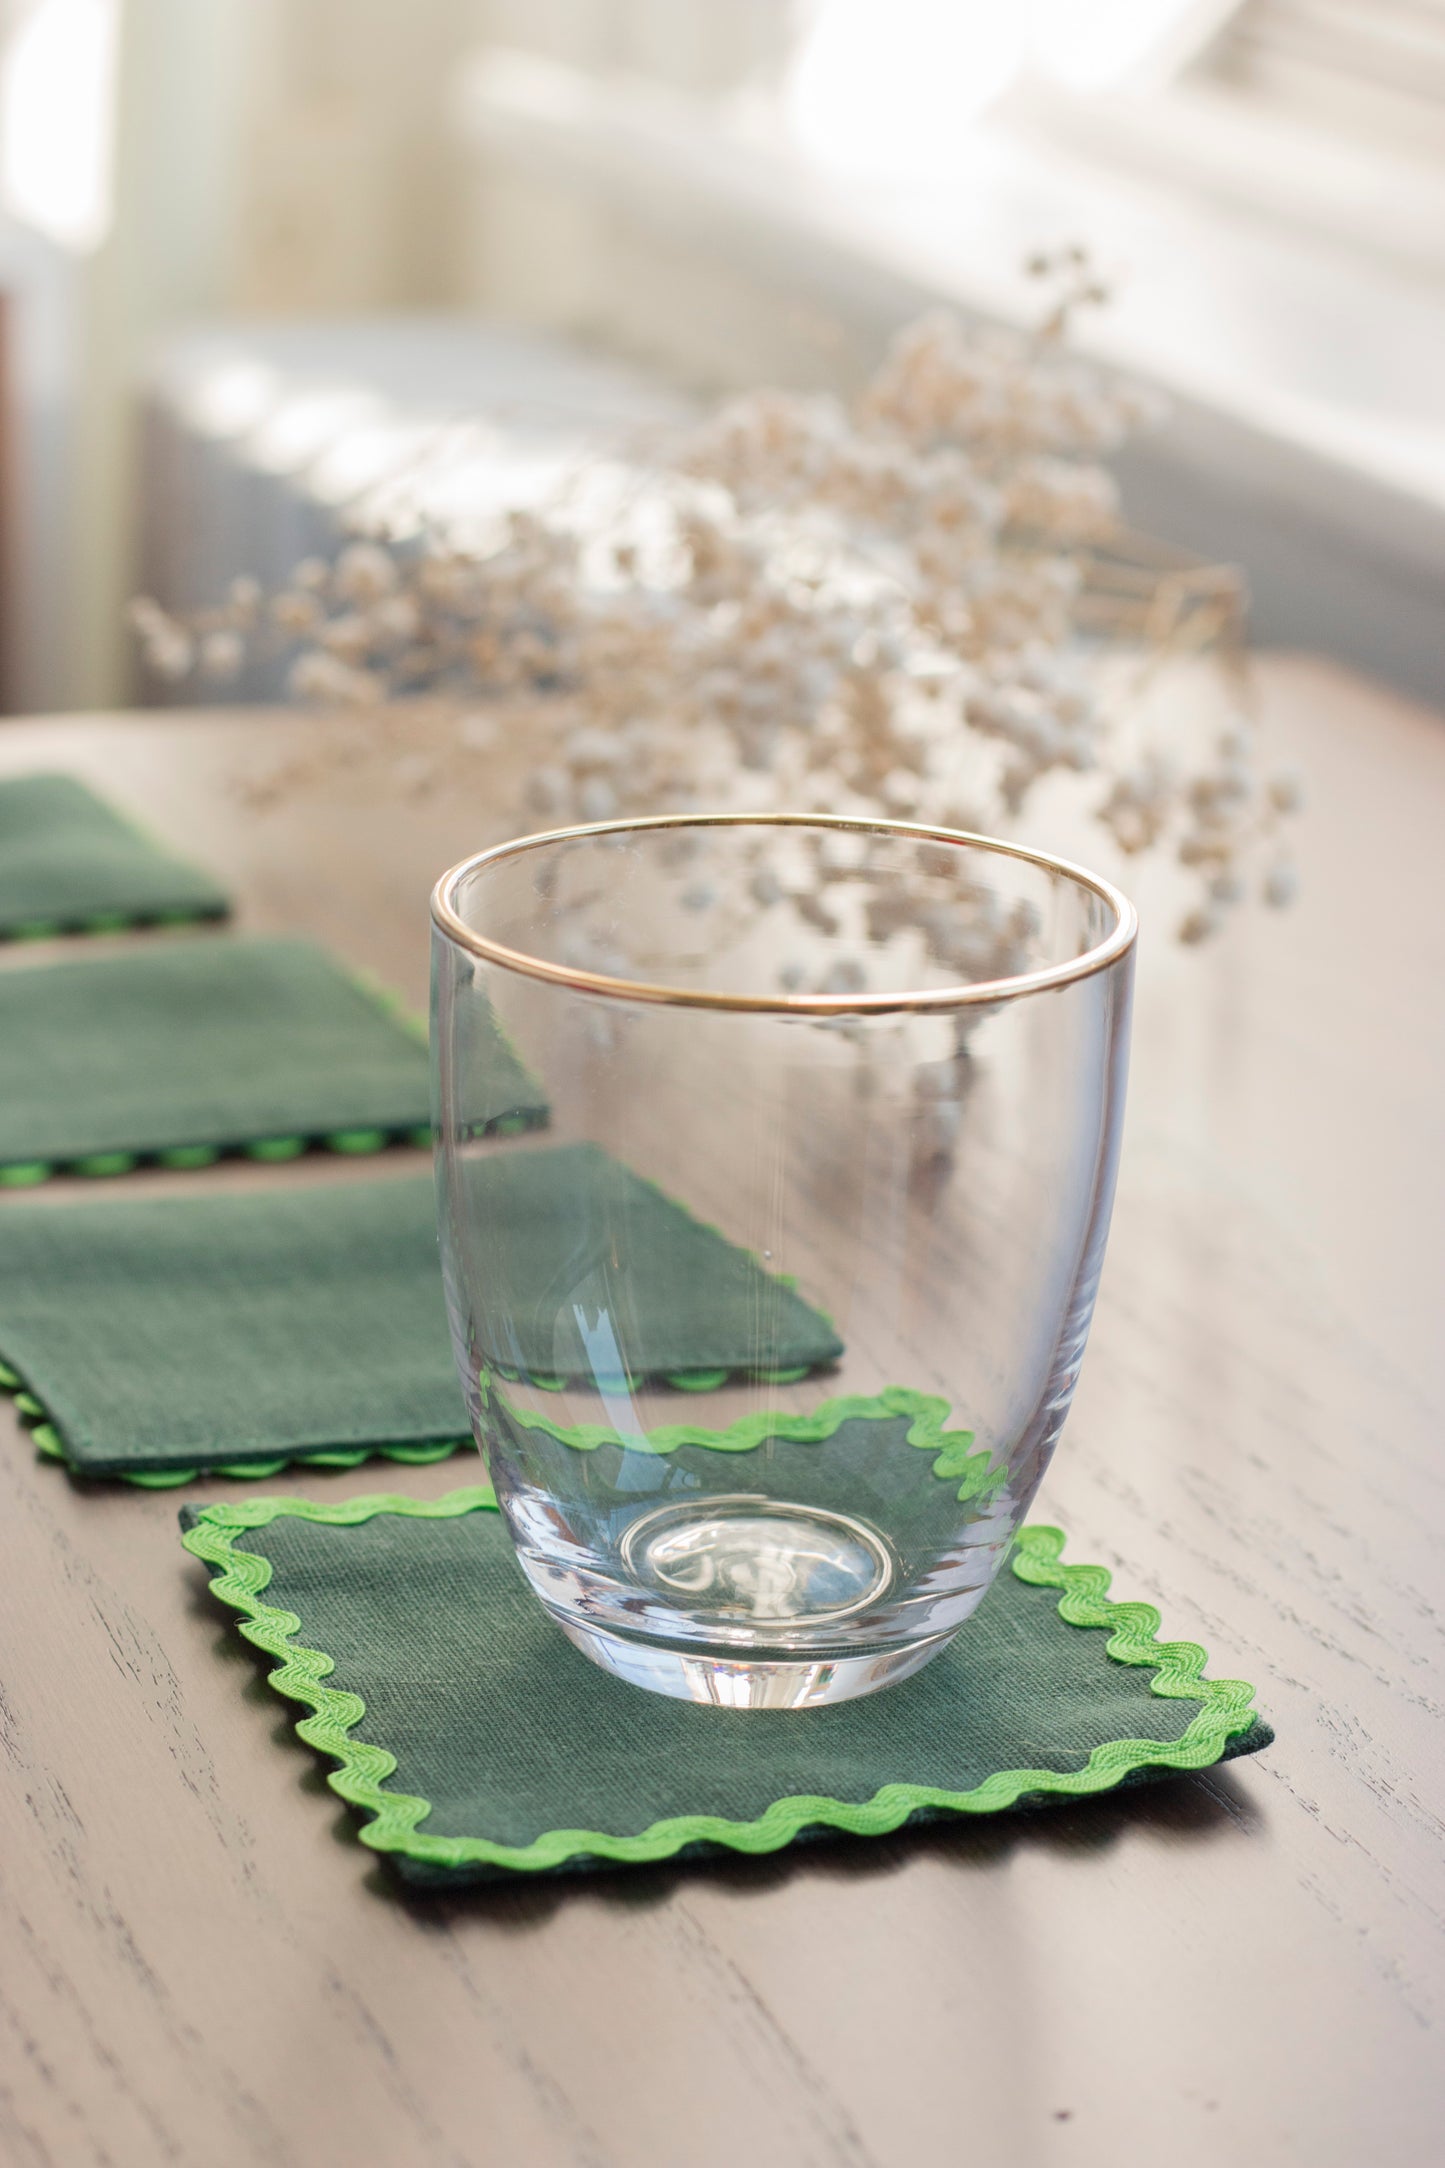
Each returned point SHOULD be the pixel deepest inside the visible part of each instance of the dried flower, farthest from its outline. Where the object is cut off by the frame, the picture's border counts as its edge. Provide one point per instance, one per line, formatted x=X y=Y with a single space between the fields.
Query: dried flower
x=222 y=655
x=875 y=605
x=364 y=573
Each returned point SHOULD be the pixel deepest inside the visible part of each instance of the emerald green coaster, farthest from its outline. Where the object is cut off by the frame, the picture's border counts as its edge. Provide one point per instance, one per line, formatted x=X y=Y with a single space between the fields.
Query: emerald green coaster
x=154 y=1338
x=473 y=1739
x=158 y=1338
x=69 y=863
x=571 y=1234
x=182 y=1050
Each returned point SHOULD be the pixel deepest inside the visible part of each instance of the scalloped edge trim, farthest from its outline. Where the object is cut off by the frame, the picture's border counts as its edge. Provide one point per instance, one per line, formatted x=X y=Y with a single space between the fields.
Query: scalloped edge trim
x=928 y=1415
x=240 y=1576
x=22 y=932
x=194 y=1158
x=681 y=1381
x=49 y=1444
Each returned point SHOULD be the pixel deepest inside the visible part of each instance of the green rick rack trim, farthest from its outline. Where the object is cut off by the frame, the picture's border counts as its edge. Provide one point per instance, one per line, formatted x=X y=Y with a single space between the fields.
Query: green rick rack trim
x=363 y=1767
x=681 y=1381
x=110 y=922
x=954 y=1458
x=24 y=1174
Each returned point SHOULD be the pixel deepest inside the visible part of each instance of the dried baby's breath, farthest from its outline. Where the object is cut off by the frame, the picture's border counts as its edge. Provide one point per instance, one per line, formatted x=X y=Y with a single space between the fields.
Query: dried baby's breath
x=896 y=605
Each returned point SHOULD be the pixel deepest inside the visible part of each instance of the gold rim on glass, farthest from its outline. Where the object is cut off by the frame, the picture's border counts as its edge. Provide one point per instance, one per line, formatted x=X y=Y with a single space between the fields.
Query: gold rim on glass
x=988 y=991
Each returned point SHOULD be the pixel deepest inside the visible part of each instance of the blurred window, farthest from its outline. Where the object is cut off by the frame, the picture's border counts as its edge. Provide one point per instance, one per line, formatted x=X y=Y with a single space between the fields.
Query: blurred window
x=57 y=92
x=1374 y=68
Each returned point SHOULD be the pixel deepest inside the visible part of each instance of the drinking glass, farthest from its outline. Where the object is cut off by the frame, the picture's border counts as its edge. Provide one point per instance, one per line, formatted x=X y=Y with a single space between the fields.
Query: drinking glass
x=767 y=1337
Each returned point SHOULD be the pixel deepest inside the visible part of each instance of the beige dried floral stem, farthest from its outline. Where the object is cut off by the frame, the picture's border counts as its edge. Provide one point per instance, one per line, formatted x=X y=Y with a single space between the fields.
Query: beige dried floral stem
x=909 y=605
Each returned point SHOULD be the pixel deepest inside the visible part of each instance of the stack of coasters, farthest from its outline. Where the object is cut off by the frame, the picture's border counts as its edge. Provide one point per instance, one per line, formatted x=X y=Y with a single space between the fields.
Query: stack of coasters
x=70 y=864
x=154 y=1339
x=180 y=1052
x=474 y=1741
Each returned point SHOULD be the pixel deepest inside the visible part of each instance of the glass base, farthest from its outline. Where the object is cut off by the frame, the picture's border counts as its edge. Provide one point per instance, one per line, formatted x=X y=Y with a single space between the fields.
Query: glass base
x=753 y=1561
x=732 y=1681
x=736 y=1588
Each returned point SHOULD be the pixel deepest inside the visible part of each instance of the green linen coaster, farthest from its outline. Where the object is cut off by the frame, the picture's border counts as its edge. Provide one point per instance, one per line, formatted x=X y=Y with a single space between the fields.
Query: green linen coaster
x=571 y=1230
x=153 y=1339
x=69 y=863
x=159 y=1338
x=474 y=1740
x=183 y=1050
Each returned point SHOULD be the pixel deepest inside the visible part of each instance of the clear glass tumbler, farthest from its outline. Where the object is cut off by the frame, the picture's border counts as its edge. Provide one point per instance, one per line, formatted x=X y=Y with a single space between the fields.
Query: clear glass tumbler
x=768 y=1334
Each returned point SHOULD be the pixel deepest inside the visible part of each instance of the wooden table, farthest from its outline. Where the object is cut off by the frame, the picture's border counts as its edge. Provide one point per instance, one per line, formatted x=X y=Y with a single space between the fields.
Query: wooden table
x=198 y=1963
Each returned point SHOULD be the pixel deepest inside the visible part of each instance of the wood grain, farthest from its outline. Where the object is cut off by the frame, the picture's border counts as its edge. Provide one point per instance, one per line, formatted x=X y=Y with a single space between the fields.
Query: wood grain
x=199 y=1963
